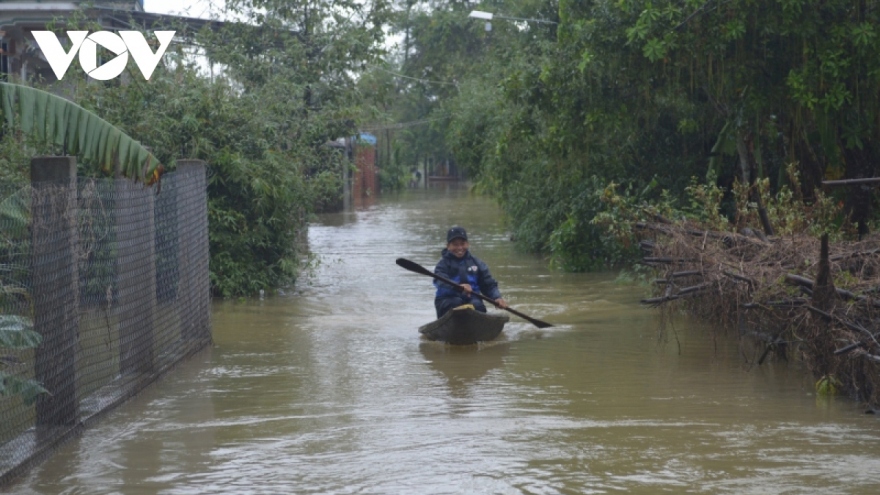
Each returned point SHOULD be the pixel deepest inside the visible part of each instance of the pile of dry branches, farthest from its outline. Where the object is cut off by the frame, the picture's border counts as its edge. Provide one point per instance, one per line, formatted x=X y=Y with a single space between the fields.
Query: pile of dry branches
x=794 y=294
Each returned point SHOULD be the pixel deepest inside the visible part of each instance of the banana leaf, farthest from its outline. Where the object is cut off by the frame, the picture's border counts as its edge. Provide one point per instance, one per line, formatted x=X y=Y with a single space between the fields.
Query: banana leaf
x=62 y=122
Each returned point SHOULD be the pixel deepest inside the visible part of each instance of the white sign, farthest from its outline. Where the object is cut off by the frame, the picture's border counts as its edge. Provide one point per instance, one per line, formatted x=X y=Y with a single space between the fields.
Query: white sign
x=122 y=44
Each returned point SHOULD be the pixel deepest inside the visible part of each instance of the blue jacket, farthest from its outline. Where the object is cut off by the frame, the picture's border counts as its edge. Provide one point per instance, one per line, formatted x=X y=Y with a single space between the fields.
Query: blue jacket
x=469 y=269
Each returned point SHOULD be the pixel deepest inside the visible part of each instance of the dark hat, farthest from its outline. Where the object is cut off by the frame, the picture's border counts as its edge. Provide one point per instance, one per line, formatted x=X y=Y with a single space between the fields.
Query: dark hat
x=455 y=232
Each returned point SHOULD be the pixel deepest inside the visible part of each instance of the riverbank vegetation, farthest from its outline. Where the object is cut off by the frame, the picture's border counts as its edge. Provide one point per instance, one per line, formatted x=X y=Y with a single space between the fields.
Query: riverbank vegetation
x=792 y=296
x=647 y=95
x=699 y=131
x=807 y=292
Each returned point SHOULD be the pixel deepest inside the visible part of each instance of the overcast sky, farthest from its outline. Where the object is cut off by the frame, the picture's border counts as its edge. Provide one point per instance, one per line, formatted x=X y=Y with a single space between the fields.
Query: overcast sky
x=188 y=8
x=204 y=8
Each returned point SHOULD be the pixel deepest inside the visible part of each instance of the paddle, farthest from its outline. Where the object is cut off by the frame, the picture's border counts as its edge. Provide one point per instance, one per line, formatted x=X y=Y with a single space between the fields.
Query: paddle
x=417 y=268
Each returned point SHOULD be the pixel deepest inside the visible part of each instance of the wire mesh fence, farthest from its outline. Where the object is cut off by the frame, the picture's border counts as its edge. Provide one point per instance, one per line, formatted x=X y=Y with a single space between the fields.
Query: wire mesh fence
x=104 y=286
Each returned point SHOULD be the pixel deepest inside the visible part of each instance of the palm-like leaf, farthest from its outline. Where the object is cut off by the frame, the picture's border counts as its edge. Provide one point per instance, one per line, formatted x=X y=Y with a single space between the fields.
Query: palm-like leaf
x=64 y=123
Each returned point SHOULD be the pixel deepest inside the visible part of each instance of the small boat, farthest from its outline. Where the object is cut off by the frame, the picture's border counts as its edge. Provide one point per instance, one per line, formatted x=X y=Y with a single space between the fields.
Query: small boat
x=465 y=326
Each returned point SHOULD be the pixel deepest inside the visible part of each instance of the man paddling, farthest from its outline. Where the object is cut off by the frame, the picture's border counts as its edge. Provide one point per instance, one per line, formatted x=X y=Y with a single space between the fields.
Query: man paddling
x=472 y=274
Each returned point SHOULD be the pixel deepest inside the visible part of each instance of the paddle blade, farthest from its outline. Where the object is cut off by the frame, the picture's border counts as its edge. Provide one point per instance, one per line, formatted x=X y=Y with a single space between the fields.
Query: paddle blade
x=534 y=321
x=539 y=323
x=413 y=266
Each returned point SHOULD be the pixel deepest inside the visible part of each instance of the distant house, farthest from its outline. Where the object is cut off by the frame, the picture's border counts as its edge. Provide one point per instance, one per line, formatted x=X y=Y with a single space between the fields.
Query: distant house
x=365 y=182
x=360 y=184
x=22 y=60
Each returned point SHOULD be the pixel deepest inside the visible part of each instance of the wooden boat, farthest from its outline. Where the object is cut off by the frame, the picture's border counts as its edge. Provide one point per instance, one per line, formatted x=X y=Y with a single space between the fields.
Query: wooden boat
x=464 y=326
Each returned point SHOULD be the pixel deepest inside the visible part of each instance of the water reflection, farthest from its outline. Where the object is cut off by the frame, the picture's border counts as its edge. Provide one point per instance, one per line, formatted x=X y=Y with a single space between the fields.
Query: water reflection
x=462 y=366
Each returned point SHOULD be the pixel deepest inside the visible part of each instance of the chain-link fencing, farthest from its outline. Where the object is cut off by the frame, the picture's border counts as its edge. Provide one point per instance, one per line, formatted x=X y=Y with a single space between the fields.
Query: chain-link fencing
x=104 y=286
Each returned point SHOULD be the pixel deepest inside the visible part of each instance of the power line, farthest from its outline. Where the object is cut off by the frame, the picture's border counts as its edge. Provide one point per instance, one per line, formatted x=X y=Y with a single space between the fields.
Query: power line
x=429 y=81
x=402 y=125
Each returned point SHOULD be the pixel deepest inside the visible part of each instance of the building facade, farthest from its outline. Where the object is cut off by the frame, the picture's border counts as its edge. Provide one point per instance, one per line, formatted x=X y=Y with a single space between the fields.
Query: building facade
x=20 y=57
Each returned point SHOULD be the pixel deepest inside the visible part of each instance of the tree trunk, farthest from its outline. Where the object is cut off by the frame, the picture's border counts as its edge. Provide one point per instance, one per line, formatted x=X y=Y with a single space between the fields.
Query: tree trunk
x=747 y=165
x=860 y=163
x=823 y=287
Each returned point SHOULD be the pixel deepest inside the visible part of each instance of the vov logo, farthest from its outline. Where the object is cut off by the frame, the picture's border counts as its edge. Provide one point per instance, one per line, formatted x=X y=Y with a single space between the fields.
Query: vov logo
x=123 y=44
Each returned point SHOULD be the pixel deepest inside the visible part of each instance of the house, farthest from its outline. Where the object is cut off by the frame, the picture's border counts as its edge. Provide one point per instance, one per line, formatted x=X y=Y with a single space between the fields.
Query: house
x=360 y=185
x=365 y=180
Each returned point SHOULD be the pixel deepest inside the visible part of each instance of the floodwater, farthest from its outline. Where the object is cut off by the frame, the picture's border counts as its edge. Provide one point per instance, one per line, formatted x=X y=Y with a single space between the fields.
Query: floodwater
x=328 y=389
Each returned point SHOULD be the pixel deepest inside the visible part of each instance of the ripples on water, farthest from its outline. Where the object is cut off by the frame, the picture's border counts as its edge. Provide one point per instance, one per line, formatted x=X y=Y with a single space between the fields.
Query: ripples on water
x=328 y=389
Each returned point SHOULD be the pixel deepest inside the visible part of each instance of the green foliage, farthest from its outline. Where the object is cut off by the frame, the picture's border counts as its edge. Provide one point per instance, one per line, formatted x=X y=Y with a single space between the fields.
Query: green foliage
x=256 y=210
x=279 y=93
x=443 y=50
x=17 y=333
x=636 y=275
x=14 y=214
x=285 y=84
x=16 y=151
x=80 y=132
x=28 y=390
x=787 y=211
x=596 y=233
x=747 y=94
x=325 y=189
x=257 y=191
x=295 y=90
x=705 y=205
x=827 y=386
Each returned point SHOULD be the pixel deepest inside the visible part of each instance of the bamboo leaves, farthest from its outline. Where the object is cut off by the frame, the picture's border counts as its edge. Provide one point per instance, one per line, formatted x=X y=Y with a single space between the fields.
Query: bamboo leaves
x=17 y=332
x=63 y=123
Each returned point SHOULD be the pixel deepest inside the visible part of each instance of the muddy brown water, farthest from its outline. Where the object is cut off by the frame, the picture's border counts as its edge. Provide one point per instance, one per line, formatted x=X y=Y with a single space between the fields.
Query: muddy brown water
x=328 y=388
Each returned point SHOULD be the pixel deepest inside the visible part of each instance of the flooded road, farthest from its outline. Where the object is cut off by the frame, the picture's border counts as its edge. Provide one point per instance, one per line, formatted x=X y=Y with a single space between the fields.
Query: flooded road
x=328 y=388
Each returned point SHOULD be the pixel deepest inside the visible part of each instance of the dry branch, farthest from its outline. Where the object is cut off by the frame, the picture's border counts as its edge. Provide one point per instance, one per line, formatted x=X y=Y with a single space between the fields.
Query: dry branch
x=740 y=278
x=851 y=182
x=843 y=293
x=744 y=280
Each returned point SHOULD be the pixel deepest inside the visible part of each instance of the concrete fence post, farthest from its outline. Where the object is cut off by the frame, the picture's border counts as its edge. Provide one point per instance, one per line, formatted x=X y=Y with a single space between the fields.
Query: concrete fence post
x=135 y=275
x=55 y=286
x=195 y=283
